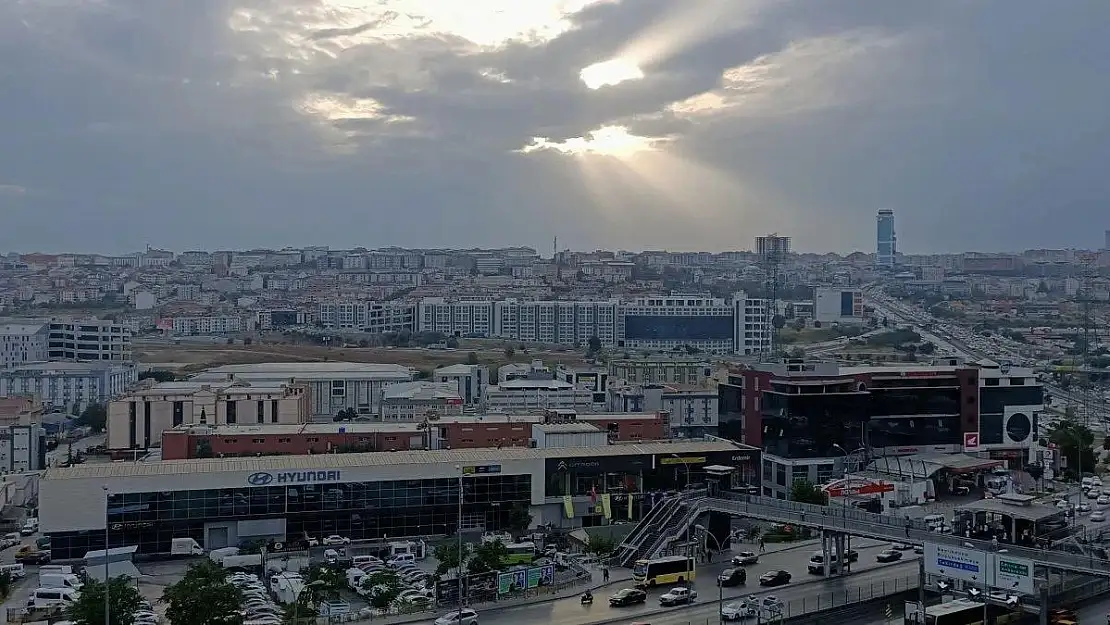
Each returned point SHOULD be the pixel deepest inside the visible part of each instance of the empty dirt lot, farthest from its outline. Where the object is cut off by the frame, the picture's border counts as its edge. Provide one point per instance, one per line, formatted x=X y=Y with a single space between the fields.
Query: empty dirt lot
x=193 y=357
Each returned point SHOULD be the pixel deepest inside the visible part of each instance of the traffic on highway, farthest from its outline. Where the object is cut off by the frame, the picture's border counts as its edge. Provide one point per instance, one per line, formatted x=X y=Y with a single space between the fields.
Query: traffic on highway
x=803 y=593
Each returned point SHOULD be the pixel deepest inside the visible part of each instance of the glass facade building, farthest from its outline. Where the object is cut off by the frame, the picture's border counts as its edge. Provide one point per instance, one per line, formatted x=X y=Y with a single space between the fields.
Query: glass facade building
x=886 y=243
x=358 y=510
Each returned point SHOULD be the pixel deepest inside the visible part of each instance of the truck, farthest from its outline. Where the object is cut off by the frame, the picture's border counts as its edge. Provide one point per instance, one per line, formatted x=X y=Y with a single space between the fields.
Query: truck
x=185 y=547
x=241 y=562
x=59 y=580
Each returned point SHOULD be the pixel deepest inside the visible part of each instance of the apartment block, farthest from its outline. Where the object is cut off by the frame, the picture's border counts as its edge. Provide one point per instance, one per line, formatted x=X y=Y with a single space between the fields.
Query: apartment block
x=22 y=343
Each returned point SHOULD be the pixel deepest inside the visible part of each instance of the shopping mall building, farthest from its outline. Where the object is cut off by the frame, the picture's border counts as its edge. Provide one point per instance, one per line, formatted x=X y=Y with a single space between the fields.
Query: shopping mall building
x=376 y=495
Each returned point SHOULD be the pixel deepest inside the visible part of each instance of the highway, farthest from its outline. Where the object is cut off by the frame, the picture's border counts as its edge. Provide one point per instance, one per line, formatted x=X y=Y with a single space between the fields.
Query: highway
x=802 y=593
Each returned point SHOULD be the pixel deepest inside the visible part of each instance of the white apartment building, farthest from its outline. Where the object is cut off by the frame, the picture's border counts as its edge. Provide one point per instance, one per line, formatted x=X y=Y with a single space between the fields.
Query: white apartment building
x=663 y=322
x=222 y=324
x=455 y=318
x=373 y=317
x=556 y=322
x=88 y=340
x=22 y=343
x=469 y=380
x=71 y=386
x=22 y=448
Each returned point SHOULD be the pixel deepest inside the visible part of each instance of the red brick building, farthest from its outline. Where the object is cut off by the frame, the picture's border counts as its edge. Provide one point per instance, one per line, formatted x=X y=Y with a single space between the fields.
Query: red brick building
x=461 y=432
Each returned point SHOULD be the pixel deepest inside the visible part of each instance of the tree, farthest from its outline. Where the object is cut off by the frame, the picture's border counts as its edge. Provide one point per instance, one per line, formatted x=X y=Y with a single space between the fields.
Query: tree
x=594 y=344
x=509 y=353
x=487 y=557
x=520 y=519
x=600 y=546
x=805 y=492
x=447 y=554
x=203 y=597
x=5 y=585
x=384 y=587
x=95 y=417
x=799 y=324
x=123 y=602
x=204 y=449
x=1035 y=471
x=452 y=342
x=472 y=358
x=1076 y=444
x=158 y=375
x=816 y=325
x=778 y=322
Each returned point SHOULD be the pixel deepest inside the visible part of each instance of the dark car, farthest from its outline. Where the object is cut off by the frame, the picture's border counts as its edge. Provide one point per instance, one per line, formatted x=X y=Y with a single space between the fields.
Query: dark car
x=33 y=557
x=853 y=555
x=774 y=578
x=888 y=555
x=732 y=577
x=627 y=596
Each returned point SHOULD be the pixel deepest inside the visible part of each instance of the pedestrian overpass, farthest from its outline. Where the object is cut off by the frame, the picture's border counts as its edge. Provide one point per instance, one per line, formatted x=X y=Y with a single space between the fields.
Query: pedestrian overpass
x=672 y=519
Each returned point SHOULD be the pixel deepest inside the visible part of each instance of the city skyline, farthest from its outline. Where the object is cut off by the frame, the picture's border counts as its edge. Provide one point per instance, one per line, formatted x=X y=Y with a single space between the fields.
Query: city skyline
x=646 y=125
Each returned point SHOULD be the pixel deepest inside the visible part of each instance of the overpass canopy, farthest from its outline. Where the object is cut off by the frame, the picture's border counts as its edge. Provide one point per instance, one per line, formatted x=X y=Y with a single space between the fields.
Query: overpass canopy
x=1031 y=512
x=928 y=465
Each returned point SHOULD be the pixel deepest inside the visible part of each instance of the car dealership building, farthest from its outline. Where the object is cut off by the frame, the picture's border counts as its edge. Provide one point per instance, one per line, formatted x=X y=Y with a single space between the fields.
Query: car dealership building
x=378 y=495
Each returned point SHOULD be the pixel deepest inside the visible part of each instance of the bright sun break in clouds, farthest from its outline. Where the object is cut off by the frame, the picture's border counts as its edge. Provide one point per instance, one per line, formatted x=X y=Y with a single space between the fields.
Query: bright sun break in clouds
x=349 y=23
x=612 y=141
x=609 y=73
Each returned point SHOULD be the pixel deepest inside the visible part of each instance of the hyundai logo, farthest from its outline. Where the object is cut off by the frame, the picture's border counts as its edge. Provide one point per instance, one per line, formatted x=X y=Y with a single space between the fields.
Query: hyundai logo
x=260 y=479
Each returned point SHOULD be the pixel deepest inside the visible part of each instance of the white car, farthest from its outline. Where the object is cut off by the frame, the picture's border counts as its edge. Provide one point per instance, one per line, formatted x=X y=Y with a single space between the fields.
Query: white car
x=678 y=596
x=336 y=539
x=772 y=604
x=739 y=610
x=745 y=558
x=466 y=616
x=1103 y=500
x=1098 y=516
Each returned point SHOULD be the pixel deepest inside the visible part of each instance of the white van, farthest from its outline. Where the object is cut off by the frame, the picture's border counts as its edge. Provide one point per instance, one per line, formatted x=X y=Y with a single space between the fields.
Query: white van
x=402 y=558
x=52 y=598
x=16 y=571
x=933 y=520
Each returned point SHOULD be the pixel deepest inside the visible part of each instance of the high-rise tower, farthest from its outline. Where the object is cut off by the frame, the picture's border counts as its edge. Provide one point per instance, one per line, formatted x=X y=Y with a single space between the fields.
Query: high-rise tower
x=886 y=241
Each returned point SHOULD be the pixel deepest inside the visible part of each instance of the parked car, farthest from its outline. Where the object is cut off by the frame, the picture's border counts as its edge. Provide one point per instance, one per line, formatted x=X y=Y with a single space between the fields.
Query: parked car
x=336 y=539
x=627 y=596
x=774 y=578
x=745 y=558
x=739 y=610
x=919 y=549
x=901 y=546
x=732 y=577
x=465 y=616
x=888 y=555
x=772 y=604
x=1098 y=516
x=678 y=596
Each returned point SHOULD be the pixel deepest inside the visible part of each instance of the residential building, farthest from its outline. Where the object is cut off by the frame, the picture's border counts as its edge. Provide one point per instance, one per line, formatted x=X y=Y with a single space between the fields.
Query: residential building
x=214 y=324
x=22 y=343
x=70 y=386
x=693 y=411
x=456 y=317
x=88 y=340
x=886 y=249
x=538 y=393
x=136 y=422
x=332 y=386
x=838 y=305
x=694 y=372
x=22 y=448
x=556 y=322
x=419 y=400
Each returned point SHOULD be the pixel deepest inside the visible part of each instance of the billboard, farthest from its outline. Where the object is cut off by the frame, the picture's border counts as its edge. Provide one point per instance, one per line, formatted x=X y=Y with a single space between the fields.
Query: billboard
x=969 y=565
x=522 y=579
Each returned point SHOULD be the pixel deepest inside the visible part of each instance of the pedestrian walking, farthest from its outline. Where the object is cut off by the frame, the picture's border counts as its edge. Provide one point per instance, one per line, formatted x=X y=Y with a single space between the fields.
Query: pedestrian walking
x=605 y=575
x=762 y=545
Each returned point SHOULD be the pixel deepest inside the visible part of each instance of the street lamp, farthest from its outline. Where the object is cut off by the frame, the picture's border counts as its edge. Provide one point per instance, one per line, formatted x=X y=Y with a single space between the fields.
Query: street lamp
x=685 y=465
x=844 y=466
x=459 y=531
x=720 y=586
x=107 y=593
x=316 y=583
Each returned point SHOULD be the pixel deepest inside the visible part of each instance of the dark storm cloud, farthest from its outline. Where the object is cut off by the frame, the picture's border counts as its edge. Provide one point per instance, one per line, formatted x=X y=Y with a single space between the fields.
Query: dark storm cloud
x=230 y=123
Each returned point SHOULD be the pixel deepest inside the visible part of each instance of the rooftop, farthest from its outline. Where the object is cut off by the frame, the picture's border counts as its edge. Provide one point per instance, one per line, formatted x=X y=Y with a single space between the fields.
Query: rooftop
x=568 y=428
x=421 y=389
x=372 y=459
x=21 y=329
x=1024 y=512
x=68 y=367
x=523 y=384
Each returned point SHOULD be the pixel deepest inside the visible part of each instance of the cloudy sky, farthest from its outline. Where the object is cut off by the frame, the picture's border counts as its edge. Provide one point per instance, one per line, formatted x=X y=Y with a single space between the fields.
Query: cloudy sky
x=635 y=124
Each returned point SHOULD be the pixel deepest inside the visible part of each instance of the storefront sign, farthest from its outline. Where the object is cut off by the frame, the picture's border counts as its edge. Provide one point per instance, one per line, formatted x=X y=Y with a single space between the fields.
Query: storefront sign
x=603 y=464
x=481 y=469
x=684 y=460
x=264 y=478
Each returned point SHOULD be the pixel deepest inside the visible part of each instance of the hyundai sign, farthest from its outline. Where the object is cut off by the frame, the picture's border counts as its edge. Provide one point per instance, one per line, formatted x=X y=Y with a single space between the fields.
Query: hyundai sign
x=264 y=478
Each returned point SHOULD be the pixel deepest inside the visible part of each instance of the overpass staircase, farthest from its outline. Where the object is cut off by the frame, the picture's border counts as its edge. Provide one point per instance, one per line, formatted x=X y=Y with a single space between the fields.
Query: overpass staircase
x=673 y=518
x=665 y=523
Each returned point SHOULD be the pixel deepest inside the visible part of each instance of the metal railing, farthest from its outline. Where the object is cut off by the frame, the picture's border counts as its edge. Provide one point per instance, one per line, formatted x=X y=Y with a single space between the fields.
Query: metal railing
x=886 y=527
